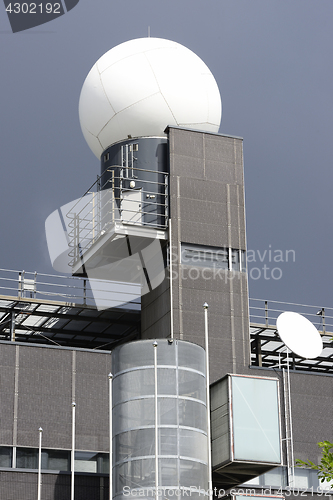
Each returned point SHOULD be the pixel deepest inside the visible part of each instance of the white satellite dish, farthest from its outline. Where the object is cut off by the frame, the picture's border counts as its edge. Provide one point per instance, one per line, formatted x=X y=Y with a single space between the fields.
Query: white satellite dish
x=299 y=335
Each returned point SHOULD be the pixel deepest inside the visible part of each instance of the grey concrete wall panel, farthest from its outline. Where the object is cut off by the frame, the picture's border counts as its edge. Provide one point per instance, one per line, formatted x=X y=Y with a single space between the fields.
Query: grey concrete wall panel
x=44 y=397
x=91 y=392
x=48 y=380
x=312 y=398
x=203 y=190
x=215 y=234
x=7 y=391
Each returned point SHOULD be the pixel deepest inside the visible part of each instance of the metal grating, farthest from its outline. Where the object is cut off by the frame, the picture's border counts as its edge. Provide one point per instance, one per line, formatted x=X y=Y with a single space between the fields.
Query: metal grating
x=59 y=323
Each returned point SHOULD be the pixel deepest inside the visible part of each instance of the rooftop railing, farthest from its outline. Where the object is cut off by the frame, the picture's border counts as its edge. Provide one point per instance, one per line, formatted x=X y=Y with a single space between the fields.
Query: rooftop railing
x=139 y=200
x=266 y=312
x=70 y=289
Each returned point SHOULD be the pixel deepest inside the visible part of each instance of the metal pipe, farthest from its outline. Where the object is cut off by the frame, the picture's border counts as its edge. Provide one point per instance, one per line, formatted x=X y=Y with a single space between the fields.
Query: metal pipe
x=110 y=436
x=156 y=421
x=39 y=465
x=266 y=313
x=209 y=451
x=170 y=278
x=290 y=425
x=12 y=327
x=73 y=450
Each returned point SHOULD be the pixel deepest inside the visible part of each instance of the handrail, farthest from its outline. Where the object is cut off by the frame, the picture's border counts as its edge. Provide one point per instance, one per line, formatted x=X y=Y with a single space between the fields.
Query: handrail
x=265 y=312
x=34 y=285
x=144 y=204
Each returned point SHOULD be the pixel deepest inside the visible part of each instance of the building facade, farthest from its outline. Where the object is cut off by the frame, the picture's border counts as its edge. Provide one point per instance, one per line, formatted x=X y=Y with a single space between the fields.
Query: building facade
x=202 y=238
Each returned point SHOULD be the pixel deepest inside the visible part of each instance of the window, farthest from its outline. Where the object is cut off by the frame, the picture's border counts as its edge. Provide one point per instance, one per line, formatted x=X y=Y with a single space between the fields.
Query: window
x=57 y=460
x=5 y=456
x=213 y=257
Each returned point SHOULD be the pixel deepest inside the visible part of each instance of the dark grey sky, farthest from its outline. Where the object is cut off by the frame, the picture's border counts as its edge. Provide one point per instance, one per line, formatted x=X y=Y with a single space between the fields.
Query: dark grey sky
x=272 y=60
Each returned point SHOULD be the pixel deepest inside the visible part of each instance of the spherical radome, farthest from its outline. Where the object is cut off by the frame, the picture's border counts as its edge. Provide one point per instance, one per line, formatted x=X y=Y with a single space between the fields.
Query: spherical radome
x=140 y=87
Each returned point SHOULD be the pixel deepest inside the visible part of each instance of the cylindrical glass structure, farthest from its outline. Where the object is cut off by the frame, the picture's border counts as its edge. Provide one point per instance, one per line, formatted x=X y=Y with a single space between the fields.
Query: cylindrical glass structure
x=181 y=420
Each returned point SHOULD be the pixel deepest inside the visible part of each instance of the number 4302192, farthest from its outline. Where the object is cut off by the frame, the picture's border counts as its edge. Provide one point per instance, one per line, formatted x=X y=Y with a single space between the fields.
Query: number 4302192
x=33 y=8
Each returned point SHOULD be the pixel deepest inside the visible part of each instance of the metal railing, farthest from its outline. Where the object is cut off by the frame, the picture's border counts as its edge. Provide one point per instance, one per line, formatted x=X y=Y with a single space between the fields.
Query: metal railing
x=70 y=289
x=135 y=200
x=266 y=312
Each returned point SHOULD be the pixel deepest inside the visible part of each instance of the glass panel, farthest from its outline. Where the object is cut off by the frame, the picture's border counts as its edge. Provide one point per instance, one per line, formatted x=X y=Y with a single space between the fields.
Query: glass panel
x=243 y=259
x=56 y=460
x=167 y=441
x=5 y=456
x=255 y=416
x=103 y=460
x=132 y=355
x=131 y=414
x=136 y=443
x=166 y=381
x=133 y=384
x=191 y=356
x=135 y=474
x=26 y=458
x=192 y=414
x=275 y=477
x=235 y=260
x=168 y=472
x=192 y=385
x=305 y=480
x=166 y=353
x=85 y=461
x=204 y=256
x=193 y=444
x=193 y=474
x=167 y=411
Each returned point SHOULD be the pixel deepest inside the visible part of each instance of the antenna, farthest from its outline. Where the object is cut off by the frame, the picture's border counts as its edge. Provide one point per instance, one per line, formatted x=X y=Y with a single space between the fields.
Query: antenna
x=299 y=335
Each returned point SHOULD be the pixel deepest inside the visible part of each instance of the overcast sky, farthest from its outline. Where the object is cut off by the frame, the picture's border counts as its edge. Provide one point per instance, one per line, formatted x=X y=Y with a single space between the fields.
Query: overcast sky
x=272 y=60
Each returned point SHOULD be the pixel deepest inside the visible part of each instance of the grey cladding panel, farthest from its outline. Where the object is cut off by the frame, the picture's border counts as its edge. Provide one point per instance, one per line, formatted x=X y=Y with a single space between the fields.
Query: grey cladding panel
x=216 y=171
x=158 y=309
x=220 y=423
x=186 y=143
x=193 y=300
x=92 y=400
x=223 y=149
x=203 y=211
x=186 y=166
x=236 y=193
x=203 y=190
x=212 y=234
x=7 y=385
x=44 y=395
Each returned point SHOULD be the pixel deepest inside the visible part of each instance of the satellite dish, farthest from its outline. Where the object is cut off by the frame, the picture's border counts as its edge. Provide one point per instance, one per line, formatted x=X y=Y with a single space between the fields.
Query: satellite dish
x=299 y=335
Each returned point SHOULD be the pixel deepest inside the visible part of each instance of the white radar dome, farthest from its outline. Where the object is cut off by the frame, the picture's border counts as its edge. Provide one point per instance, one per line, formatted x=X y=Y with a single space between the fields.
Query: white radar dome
x=140 y=87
